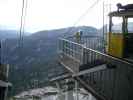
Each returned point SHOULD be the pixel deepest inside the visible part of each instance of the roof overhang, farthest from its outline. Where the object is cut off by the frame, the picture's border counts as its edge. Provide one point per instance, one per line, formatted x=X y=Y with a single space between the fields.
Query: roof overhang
x=122 y=13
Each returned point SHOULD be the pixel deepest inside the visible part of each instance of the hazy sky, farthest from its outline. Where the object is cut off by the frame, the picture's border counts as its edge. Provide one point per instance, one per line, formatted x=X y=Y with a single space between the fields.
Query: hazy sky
x=53 y=14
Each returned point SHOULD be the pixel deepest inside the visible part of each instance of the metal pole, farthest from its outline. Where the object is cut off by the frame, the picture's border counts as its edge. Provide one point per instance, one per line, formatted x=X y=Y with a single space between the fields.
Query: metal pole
x=60 y=93
x=103 y=29
x=69 y=93
x=76 y=88
x=1 y=52
x=110 y=7
x=103 y=19
x=6 y=90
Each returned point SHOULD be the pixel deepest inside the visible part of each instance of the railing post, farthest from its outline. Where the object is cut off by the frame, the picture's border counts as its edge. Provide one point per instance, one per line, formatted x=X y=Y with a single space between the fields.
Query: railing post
x=82 y=55
x=76 y=89
x=69 y=93
x=61 y=96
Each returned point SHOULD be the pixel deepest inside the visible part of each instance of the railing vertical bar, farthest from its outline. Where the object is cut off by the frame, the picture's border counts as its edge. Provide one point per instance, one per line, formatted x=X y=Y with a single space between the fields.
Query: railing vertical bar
x=107 y=82
x=97 y=87
x=99 y=84
x=92 y=59
x=102 y=84
x=113 y=84
x=87 y=53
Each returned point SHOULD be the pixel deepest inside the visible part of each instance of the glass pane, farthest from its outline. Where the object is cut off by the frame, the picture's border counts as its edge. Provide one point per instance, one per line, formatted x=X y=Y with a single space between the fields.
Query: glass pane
x=117 y=24
x=130 y=25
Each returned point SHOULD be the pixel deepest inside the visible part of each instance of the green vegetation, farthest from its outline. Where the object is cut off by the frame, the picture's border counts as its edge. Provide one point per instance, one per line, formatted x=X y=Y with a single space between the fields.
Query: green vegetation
x=34 y=62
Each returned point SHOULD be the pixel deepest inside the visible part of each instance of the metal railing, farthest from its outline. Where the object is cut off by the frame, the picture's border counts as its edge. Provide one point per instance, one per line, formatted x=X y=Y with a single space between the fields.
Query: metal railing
x=78 y=50
x=71 y=49
x=93 y=42
x=115 y=82
x=87 y=54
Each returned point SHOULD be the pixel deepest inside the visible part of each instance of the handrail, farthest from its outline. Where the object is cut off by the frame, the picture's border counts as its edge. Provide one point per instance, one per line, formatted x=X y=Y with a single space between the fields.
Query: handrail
x=100 y=53
x=70 y=41
x=109 y=56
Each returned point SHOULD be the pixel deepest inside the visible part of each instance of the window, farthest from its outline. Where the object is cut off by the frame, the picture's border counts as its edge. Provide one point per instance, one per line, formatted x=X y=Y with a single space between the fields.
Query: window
x=130 y=25
x=117 y=25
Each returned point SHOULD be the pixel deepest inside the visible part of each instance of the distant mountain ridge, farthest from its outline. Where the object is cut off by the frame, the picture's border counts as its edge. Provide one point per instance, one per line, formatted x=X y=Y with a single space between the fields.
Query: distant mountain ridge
x=37 y=58
x=65 y=32
x=4 y=34
x=8 y=34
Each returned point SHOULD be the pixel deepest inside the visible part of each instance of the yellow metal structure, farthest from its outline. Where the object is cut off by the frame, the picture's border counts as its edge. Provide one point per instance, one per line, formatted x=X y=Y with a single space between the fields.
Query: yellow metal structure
x=116 y=44
x=119 y=41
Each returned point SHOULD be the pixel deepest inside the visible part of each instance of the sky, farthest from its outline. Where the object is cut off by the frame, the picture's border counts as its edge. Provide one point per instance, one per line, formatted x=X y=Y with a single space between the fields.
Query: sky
x=54 y=14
